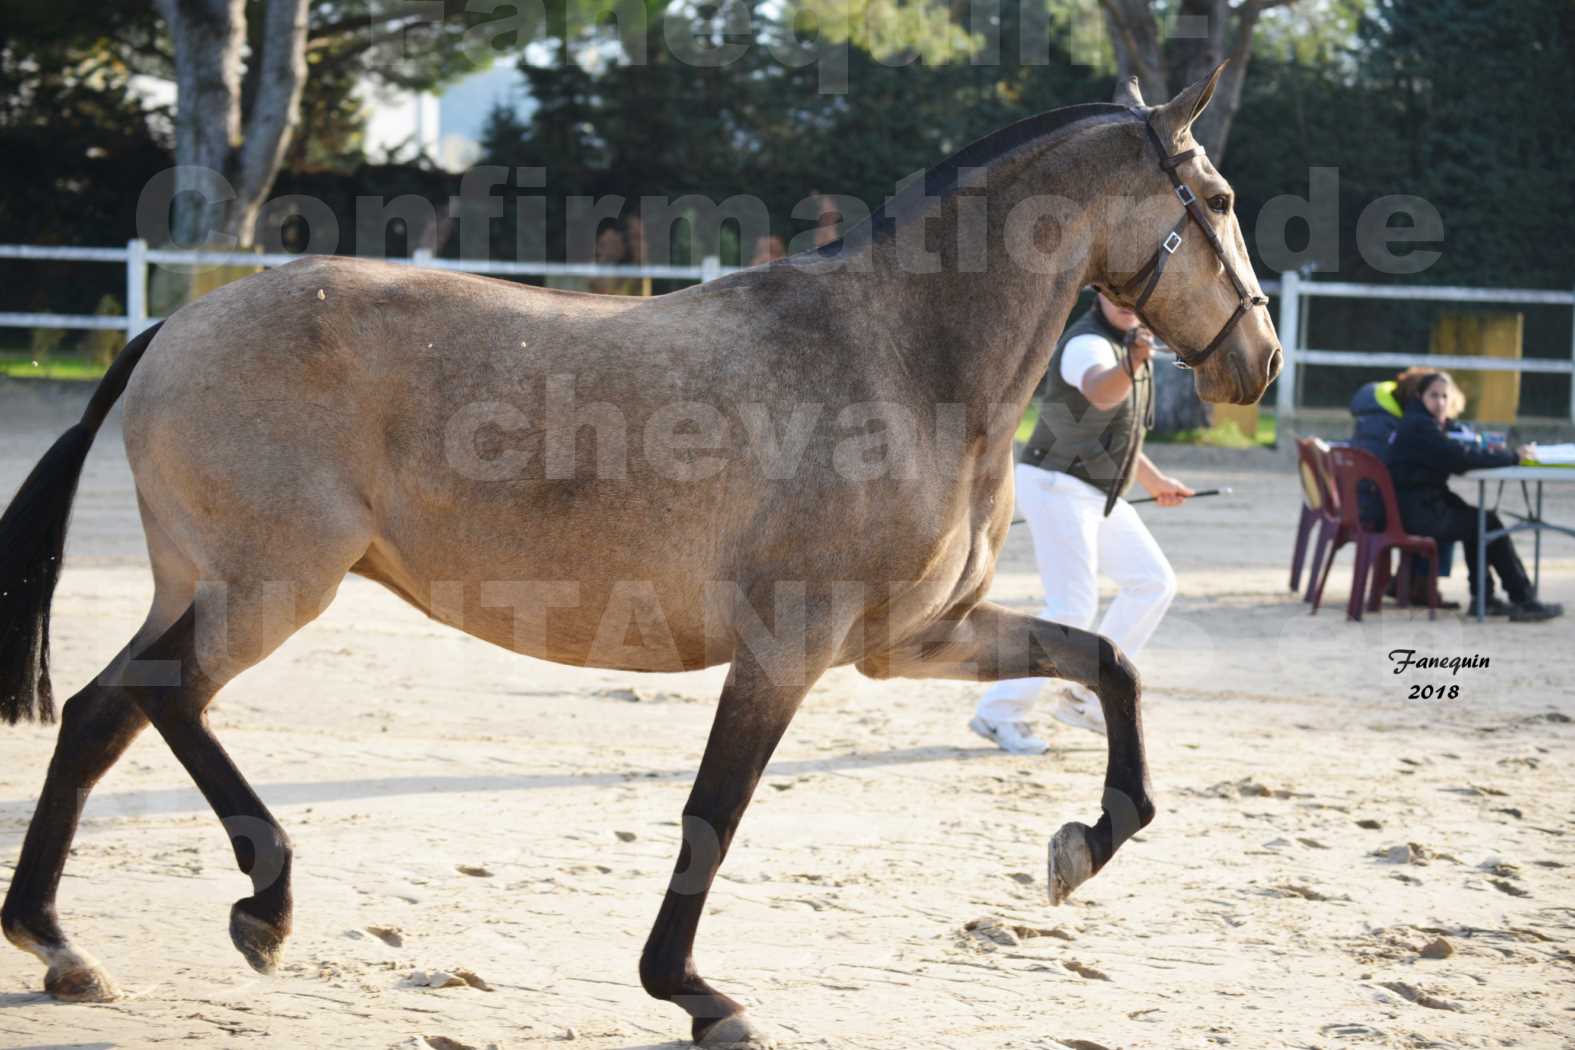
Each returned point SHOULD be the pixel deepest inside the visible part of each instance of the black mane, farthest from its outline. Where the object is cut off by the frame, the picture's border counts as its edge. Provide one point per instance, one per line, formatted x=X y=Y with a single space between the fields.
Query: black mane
x=940 y=181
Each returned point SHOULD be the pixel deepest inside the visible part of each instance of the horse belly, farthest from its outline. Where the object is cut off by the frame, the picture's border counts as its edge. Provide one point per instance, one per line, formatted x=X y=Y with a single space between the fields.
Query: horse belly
x=573 y=604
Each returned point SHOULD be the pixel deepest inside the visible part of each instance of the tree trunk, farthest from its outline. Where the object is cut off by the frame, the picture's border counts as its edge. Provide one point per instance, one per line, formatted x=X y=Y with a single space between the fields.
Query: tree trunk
x=212 y=135
x=1205 y=33
x=1135 y=35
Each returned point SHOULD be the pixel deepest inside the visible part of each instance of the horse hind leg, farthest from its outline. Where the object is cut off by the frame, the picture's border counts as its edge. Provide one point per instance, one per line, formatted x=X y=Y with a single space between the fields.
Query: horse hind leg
x=231 y=625
x=197 y=639
x=267 y=557
x=97 y=725
x=182 y=681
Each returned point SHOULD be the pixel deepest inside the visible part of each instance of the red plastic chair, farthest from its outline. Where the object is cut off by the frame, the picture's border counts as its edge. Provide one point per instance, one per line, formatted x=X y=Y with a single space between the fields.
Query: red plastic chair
x=1332 y=533
x=1352 y=466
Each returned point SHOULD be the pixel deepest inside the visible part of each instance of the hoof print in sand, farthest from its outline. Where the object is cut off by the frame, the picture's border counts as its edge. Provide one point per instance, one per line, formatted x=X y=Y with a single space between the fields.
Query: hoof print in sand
x=448 y=979
x=392 y=936
x=1412 y=994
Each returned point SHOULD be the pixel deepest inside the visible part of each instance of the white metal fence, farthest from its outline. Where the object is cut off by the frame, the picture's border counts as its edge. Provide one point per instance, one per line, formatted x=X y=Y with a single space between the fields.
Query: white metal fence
x=1291 y=289
x=136 y=256
x=1294 y=289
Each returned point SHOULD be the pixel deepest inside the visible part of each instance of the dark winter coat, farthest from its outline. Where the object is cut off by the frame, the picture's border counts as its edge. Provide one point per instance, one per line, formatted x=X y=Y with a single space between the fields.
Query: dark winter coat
x=1421 y=461
x=1376 y=415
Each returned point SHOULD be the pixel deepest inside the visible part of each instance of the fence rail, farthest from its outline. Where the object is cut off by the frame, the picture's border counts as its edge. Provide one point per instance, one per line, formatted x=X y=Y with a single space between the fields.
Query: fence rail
x=136 y=256
x=1291 y=288
x=1294 y=289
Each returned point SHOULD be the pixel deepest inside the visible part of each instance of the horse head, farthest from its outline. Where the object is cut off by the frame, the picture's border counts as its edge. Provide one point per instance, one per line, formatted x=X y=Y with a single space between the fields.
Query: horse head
x=1174 y=252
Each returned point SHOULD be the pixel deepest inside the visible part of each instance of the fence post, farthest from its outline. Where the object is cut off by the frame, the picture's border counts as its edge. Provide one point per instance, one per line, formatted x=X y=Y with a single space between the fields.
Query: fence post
x=136 y=287
x=710 y=268
x=1289 y=327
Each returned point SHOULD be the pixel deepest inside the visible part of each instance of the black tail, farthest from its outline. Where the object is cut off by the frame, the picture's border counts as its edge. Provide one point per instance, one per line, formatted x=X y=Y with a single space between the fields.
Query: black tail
x=32 y=542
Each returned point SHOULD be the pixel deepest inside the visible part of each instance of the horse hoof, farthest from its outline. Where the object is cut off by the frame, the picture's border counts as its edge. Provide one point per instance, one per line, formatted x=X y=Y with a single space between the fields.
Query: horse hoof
x=737 y=1032
x=80 y=982
x=1071 y=862
x=261 y=943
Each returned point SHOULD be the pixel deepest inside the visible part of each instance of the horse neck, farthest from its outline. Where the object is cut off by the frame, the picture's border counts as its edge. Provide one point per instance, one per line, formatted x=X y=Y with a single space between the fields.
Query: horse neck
x=983 y=336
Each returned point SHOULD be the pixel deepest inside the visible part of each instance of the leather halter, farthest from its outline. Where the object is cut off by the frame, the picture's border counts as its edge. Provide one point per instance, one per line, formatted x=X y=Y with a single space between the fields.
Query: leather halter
x=1151 y=272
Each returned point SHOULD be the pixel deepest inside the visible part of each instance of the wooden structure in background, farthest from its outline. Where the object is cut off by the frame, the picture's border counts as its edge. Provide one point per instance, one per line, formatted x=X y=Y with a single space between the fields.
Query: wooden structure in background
x=1244 y=416
x=1491 y=397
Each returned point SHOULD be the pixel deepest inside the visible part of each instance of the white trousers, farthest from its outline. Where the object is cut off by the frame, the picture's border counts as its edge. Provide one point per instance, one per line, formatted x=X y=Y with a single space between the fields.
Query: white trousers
x=1073 y=543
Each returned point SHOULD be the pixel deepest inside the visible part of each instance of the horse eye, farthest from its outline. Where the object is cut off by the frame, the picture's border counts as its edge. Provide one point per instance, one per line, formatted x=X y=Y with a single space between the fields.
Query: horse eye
x=1220 y=203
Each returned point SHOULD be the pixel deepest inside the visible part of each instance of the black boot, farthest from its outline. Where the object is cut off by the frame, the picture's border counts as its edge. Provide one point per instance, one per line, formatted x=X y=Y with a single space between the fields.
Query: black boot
x=1533 y=611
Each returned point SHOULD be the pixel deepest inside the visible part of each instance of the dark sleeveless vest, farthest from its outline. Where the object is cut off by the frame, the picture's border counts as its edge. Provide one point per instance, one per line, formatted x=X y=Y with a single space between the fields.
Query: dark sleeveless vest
x=1099 y=446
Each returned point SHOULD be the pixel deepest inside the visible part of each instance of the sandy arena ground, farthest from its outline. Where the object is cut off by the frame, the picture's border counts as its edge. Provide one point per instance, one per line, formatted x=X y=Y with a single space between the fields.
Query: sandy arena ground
x=1317 y=829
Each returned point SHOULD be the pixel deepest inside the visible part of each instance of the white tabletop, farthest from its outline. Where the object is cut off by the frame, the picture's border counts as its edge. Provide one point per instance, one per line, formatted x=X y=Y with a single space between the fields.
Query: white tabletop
x=1521 y=474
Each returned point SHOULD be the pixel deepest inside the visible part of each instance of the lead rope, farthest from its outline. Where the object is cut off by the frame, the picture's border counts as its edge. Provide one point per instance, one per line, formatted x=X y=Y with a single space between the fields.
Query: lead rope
x=1141 y=422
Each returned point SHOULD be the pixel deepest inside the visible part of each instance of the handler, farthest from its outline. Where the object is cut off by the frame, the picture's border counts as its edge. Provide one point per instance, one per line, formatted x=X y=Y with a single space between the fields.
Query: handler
x=1086 y=449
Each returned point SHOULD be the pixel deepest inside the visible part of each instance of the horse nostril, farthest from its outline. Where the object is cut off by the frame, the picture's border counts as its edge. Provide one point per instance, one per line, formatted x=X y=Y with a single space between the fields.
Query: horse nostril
x=1276 y=359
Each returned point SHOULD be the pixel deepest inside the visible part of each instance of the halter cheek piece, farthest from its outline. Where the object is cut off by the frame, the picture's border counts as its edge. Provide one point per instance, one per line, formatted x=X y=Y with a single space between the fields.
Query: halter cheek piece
x=1151 y=272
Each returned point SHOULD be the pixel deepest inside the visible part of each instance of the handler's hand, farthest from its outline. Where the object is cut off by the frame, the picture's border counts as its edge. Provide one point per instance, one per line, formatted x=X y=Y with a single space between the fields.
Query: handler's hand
x=1526 y=452
x=1168 y=492
x=1139 y=342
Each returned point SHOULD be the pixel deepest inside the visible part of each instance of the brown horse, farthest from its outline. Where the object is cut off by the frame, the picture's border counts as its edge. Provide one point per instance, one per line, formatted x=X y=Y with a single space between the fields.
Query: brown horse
x=802 y=465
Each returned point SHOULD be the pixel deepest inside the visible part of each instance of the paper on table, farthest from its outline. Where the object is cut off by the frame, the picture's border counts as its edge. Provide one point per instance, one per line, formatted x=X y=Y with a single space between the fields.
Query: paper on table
x=1554 y=456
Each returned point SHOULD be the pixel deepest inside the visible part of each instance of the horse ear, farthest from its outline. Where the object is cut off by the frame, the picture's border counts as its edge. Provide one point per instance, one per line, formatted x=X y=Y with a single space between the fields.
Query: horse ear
x=1177 y=115
x=1129 y=93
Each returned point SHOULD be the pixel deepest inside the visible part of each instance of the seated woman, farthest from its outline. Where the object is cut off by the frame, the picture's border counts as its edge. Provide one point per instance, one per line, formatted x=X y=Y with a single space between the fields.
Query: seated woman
x=1421 y=459
x=1375 y=416
x=1376 y=412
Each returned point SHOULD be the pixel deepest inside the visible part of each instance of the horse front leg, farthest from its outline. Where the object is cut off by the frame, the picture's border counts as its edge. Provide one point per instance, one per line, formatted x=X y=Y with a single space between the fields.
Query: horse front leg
x=758 y=701
x=990 y=643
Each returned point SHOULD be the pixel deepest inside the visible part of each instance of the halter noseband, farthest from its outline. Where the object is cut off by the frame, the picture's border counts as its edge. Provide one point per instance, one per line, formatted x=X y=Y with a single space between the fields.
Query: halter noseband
x=1151 y=272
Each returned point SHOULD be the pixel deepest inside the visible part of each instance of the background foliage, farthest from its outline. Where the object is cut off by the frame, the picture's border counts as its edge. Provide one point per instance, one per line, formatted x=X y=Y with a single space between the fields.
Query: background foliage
x=1470 y=106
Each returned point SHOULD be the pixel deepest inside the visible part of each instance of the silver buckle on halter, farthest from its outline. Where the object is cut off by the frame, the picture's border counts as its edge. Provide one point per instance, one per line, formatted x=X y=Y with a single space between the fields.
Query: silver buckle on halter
x=1172 y=242
x=1185 y=193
